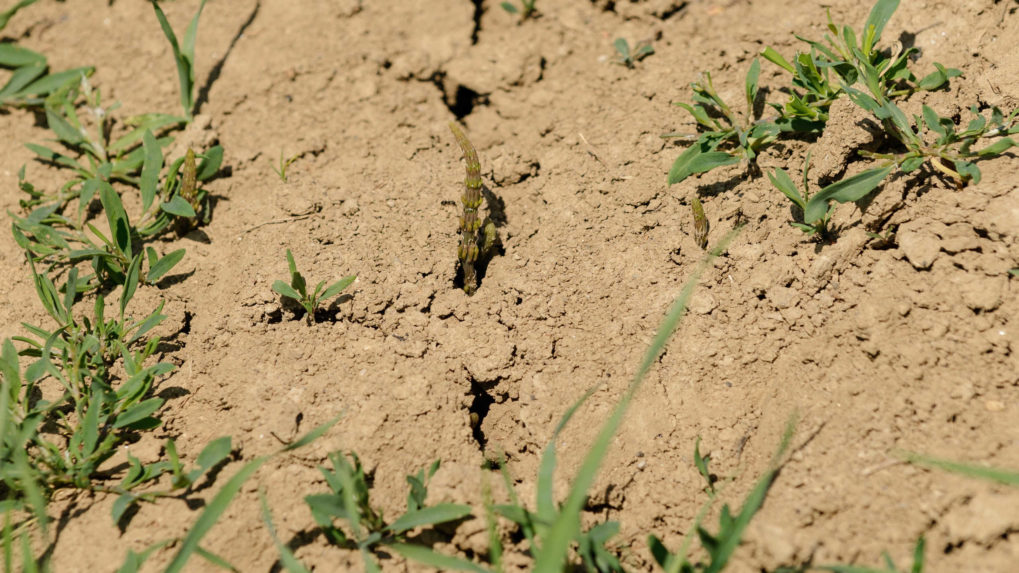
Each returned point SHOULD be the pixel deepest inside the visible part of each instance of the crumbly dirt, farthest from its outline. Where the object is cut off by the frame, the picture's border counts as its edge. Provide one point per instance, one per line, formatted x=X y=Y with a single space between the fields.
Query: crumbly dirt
x=877 y=346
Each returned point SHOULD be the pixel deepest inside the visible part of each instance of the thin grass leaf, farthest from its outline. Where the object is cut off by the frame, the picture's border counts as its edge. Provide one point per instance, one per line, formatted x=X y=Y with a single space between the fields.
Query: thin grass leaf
x=211 y=514
x=781 y=180
x=553 y=552
x=429 y=516
x=1007 y=477
x=313 y=435
x=434 y=559
x=148 y=184
x=52 y=82
x=776 y=58
x=287 y=557
x=7 y=14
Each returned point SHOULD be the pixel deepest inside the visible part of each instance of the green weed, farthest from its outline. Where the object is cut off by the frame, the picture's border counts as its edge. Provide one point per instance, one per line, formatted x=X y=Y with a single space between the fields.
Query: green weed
x=189 y=544
x=364 y=527
x=29 y=82
x=284 y=163
x=526 y=9
x=727 y=138
x=183 y=56
x=843 y=59
x=298 y=289
x=629 y=57
x=819 y=77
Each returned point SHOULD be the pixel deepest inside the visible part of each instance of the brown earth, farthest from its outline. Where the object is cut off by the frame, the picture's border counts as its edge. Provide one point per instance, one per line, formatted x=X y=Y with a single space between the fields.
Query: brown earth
x=908 y=347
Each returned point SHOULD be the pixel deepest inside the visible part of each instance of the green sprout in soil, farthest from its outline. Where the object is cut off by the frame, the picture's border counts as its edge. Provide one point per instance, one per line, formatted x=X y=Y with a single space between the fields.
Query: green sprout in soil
x=727 y=137
x=526 y=9
x=298 y=289
x=284 y=164
x=476 y=237
x=364 y=527
x=183 y=56
x=627 y=57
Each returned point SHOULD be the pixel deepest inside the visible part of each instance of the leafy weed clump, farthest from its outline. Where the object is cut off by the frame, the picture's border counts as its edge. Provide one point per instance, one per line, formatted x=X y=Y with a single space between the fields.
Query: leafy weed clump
x=844 y=64
x=297 y=290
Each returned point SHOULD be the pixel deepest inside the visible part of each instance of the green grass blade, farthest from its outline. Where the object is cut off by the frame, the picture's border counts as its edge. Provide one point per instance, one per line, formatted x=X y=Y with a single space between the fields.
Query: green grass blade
x=215 y=559
x=730 y=537
x=781 y=180
x=150 y=169
x=566 y=527
x=211 y=514
x=429 y=516
x=287 y=557
x=1006 y=477
x=313 y=435
x=7 y=14
x=433 y=559
x=184 y=72
x=546 y=471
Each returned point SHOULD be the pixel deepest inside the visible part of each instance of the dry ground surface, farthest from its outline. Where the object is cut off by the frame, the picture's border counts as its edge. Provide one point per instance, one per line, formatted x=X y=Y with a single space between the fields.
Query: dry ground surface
x=912 y=346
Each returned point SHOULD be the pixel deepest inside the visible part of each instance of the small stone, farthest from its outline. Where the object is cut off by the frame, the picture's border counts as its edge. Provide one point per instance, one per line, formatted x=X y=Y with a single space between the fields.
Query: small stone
x=703 y=303
x=994 y=405
x=919 y=245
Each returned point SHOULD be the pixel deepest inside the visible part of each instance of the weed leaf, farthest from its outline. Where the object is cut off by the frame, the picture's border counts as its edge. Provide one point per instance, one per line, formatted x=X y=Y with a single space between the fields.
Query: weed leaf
x=433 y=559
x=696 y=160
x=211 y=514
x=429 y=516
x=850 y=189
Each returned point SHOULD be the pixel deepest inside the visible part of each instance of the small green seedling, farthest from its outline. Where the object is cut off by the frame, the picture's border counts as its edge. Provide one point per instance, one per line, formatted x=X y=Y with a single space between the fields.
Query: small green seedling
x=183 y=56
x=526 y=9
x=815 y=209
x=627 y=57
x=284 y=163
x=363 y=527
x=726 y=137
x=298 y=289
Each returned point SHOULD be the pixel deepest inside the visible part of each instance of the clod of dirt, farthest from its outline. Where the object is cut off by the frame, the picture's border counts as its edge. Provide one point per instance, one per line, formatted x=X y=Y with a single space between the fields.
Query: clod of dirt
x=982 y=293
x=918 y=244
x=199 y=135
x=849 y=128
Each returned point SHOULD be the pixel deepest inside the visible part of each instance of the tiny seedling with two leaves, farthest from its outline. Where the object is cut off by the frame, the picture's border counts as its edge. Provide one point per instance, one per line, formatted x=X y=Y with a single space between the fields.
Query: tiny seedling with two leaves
x=284 y=163
x=628 y=57
x=298 y=289
x=526 y=8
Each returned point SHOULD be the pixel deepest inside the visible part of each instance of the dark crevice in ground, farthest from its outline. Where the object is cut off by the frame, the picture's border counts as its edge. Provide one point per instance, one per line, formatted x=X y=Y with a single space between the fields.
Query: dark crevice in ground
x=478 y=11
x=479 y=410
